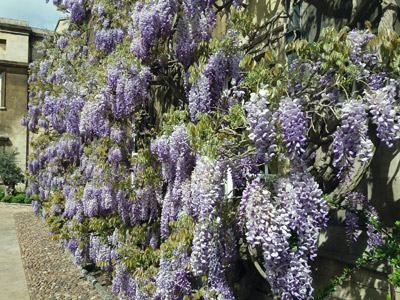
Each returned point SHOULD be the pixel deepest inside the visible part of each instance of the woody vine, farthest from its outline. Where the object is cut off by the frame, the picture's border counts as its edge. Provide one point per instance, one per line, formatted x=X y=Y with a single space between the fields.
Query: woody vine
x=146 y=197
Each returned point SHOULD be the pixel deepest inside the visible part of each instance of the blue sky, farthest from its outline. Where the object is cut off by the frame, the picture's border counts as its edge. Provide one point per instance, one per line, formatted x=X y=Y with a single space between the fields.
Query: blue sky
x=37 y=12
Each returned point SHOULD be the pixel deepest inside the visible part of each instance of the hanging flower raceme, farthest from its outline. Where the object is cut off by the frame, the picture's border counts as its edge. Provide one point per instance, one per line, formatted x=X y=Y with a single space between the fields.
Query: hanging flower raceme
x=151 y=22
x=381 y=104
x=262 y=121
x=173 y=281
x=358 y=203
x=205 y=94
x=351 y=138
x=177 y=163
x=93 y=121
x=107 y=38
x=359 y=57
x=285 y=228
x=293 y=125
x=194 y=26
x=127 y=89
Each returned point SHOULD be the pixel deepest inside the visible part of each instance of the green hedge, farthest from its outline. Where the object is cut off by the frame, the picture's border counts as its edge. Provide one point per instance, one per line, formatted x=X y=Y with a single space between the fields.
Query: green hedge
x=20 y=198
x=7 y=198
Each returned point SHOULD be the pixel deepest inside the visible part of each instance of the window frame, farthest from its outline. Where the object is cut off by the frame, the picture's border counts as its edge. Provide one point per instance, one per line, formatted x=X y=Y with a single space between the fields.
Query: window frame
x=3 y=104
x=293 y=29
x=3 y=42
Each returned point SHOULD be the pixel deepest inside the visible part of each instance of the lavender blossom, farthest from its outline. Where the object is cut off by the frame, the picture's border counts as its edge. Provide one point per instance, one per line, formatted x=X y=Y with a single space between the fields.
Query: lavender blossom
x=62 y=43
x=206 y=188
x=293 y=124
x=381 y=103
x=351 y=139
x=262 y=119
x=359 y=39
x=356 y=202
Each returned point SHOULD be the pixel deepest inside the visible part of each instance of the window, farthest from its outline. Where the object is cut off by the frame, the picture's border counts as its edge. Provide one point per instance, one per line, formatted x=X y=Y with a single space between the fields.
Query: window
x=3 y=46
x=2 y=90
x=294 y=24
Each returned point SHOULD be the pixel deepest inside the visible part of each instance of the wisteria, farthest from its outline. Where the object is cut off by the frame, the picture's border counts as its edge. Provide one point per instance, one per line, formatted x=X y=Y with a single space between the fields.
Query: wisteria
x=351 y=139
x=293 y=124
x=357 y=203
x=359 y=57
x=165 y=153
x=381 y=105
x=173 y=281
x=298 y=211
x=205 y=94
x=106 y=38
x=150 y=22
x=262 y=118
x=192 y=28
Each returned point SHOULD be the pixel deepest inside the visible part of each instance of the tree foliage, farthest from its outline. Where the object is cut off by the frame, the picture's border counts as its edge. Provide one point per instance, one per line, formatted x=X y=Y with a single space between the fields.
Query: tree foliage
x=10 y=173
x=147 y=115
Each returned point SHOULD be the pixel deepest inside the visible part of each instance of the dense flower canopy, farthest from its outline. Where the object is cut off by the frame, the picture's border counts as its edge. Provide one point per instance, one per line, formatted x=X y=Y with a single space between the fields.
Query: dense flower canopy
x=147 y=198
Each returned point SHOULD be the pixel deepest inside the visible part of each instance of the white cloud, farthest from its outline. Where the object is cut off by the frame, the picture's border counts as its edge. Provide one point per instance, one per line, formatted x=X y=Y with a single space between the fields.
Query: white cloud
x=37 y=12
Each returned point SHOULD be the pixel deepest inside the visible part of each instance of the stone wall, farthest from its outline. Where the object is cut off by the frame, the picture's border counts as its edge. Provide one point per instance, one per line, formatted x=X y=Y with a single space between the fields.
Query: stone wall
x=17 y=44
x=16 y=48
x=16 y=107
x=380 y=184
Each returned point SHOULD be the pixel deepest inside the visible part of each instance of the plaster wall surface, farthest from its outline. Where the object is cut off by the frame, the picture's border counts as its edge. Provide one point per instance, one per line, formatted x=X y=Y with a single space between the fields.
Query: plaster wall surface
x=16 y=47
x=16 y=107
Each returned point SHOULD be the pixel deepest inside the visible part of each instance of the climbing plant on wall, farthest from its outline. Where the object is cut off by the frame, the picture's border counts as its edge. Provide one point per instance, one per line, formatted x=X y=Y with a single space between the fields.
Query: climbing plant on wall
x=142 y=116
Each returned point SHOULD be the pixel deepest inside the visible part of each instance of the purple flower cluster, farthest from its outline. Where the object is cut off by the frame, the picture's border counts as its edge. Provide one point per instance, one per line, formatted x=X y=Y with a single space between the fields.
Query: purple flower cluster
x=177 y=162
x=293 y=125
x=359 y=57
x=297 y=212
x=150 y=22
x=173 y=280
x=193 y=27
x=100 y=253
x=36 y=207
x=146 y=206
x=97 y=200
x=377 y=81
x=374 y=236
x=44 y=66
x=268 y=227
x=126 y=90
x=357 y=202
x=306 y=210
x=351 y=138
x=381 y=104
x=181 y=153
x=174 y=153
x=93 y=121
x=62 y=42
x=207 y=186
x=205 y=95
x=207 y=257
x=132 y=287
x=216 y=277
x=75 y=7
x=107 y=38
x=262 y=121
x=200 y=100
x=247 y=193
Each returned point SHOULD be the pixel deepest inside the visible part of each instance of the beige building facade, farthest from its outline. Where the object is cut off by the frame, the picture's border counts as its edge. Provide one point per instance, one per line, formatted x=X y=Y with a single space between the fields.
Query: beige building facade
x=17 y=50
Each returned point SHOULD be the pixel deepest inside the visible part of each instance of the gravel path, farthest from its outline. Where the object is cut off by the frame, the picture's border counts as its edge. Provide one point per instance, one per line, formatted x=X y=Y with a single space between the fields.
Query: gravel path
x=49 y=271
